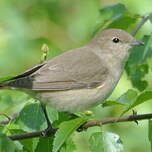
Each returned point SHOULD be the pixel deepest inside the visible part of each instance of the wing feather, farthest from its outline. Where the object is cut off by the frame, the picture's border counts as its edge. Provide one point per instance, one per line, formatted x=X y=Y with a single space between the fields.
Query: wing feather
x=75 y=69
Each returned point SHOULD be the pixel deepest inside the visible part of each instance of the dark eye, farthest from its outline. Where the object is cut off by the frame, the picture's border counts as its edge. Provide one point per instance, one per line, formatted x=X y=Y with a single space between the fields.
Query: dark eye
x=115 y=40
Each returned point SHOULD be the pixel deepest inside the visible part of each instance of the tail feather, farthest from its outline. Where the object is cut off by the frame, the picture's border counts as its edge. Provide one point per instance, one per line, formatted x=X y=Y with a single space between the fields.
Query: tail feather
x=20 y=81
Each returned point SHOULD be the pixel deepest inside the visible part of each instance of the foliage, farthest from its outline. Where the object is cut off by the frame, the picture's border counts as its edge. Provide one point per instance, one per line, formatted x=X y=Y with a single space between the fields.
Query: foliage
x=24 y=27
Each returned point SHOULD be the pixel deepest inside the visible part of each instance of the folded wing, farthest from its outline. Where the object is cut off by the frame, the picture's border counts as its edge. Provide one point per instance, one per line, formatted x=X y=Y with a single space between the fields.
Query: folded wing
x=75 y=69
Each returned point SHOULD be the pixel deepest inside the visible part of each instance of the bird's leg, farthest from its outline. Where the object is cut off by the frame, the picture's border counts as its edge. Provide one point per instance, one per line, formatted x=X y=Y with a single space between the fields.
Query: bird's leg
x=49 y=130
x=46 y=115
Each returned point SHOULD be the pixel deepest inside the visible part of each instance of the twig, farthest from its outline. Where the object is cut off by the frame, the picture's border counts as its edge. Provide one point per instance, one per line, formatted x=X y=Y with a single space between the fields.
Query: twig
x=5 y=122
x=35 y=134
x=26 y=135
x=116 y=120
x=142 y=22
x=85 y=126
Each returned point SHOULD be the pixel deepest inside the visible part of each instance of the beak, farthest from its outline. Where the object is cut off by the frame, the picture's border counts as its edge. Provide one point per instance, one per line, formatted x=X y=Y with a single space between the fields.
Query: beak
x=136 y=43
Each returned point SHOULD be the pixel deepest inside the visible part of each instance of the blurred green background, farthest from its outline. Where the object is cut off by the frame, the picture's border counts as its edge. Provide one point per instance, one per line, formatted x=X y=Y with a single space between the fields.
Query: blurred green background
x=65 y=24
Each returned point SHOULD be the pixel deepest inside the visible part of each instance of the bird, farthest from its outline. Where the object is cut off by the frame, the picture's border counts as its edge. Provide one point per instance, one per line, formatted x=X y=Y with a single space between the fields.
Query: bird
x=80 y=78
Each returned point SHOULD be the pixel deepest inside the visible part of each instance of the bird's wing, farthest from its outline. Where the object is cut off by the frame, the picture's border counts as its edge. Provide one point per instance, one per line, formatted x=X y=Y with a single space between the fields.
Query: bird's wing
x=80 y=68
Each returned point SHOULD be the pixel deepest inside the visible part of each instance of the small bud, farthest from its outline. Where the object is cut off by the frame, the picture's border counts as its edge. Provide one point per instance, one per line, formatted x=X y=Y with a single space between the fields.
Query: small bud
x=88 y=113
x=45 y=50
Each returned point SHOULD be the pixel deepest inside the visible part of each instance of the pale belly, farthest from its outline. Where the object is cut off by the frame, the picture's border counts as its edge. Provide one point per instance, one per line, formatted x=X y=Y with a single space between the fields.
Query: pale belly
x=78 y=100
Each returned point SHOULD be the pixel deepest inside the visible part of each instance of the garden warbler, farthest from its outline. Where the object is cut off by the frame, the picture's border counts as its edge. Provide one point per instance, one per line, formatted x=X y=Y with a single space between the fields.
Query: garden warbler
x=80 y=78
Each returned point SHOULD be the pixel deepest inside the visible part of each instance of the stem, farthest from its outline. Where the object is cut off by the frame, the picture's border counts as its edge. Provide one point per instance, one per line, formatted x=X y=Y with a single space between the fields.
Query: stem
x=85 y=126
x=142 y=22
x=117 y=119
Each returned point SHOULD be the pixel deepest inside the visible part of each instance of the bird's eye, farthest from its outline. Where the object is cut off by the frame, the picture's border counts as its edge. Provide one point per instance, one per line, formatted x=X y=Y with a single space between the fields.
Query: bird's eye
x=115 y=40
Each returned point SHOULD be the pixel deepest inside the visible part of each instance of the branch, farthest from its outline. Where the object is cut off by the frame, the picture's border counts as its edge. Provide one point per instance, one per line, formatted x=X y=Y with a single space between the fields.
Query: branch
x=142 y=22
x=51 y=132
x=116 y=120
x=45 y=133
x=5 y=122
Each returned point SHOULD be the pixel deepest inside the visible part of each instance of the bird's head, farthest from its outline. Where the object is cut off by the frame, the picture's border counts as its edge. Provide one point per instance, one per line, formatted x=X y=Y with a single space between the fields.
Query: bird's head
x=116 y=42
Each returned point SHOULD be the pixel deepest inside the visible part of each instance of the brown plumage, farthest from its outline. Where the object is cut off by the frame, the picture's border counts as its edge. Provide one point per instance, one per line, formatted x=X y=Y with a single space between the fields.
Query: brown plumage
x=80 y=78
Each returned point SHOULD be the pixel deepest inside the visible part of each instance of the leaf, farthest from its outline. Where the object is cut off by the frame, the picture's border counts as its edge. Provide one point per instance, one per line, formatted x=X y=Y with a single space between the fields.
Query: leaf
x=111 y=103
x=35 y=143
x=141 y=98
x=130 y=99
x=4 y=79
x=123 y=22
x=100 y=141
x=6 y=102
x=125 y=99
x=68 y=146
x=96 y=142
x=150 y=132
x=108 y=15
x=6 y=145
x=114 y=11
x=27 y=144
x=137 y=66
x=64 y=131
x=31 y=117
x=62 y=116
x=52 y=114
x=44 y=144
x=150 y=17
x=91 y=130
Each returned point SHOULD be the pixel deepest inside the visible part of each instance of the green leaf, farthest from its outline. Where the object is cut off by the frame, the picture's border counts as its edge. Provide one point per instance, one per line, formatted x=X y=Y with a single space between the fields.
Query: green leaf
x=130 y=99
x=62 y=116
x=6 y=145
x=111 y=103
x=114 y=11
x=4 y=79
x=141 y=98
x=109 y=14
x=91 y=130
x=123 y=23
x=116 y=16
x=44 y=144
x=150 y=132
x=100 y=141
x=31 y=117
x=64 y=131
x=137 y=66
x=27 y=144
x=125 y=99
x=68 y=146
x=52 y=114
x=150 y=17
x=6 y=102
x=96 y=142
